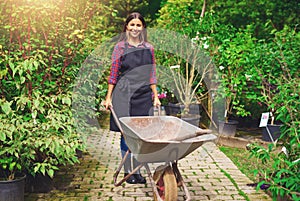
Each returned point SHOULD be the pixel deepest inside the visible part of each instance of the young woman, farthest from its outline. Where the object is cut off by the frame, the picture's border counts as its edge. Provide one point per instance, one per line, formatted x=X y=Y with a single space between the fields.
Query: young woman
x=132 y=81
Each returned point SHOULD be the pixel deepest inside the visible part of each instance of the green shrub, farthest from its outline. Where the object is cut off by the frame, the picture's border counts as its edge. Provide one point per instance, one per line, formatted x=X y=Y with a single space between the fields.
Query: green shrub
x=42 y=46
x=280 y=91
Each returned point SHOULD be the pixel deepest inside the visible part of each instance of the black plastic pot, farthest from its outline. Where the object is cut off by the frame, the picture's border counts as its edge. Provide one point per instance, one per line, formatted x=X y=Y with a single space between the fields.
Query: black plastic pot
x=193 y=119
x=12 y=190
x=274 y=131
x=38 y=183
x=174 y=109
x=228 y=128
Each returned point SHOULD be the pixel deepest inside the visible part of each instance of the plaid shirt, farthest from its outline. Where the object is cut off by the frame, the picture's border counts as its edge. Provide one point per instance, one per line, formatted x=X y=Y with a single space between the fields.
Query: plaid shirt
x=116 y=62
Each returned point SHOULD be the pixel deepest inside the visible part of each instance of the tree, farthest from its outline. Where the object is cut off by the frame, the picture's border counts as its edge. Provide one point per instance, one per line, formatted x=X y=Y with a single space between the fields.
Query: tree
x=121 y=9
x=257 y=13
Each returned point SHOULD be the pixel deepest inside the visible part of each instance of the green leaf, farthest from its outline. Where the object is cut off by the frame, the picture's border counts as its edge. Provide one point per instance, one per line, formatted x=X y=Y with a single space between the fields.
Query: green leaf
x=36 y=168
x=19 y=167
x=22 y=80
x=66 y=100
x=2 y=136
x=36 y=103
x=3 y=73
x=36 y=64
x=12 y=166
x=42 y=169
x=6 y=108
x=50 y=173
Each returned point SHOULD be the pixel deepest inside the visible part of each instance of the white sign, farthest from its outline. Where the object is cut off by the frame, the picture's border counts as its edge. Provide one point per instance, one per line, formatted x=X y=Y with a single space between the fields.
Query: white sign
x=264 y=119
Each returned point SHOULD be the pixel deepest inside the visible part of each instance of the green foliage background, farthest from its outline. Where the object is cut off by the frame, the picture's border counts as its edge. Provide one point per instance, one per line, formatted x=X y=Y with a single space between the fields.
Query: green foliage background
x=44 y=43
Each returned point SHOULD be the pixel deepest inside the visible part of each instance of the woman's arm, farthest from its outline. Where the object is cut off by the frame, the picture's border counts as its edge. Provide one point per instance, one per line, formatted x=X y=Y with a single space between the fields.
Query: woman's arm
x=108 y=100
x=156 y=101
x=114 y=71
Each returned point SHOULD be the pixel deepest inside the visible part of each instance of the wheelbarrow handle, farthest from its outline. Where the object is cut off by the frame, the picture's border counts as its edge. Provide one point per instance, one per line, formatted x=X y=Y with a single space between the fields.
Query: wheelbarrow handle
x=158 y=110
x=116 y=119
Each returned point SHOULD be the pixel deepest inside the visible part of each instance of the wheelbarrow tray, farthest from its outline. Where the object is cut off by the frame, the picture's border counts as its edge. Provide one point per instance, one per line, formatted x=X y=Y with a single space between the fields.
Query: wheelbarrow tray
x=154 y=138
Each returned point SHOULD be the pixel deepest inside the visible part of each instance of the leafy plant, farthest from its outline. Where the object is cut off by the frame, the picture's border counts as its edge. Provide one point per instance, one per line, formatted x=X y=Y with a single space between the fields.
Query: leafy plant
x=41 y=48
x=38 y=142
x=274 y=58
x=234 y=58
x=283 y=179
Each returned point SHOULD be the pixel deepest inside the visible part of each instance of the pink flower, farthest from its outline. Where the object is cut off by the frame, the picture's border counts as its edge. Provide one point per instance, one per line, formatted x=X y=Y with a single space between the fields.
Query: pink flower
x=162 y=95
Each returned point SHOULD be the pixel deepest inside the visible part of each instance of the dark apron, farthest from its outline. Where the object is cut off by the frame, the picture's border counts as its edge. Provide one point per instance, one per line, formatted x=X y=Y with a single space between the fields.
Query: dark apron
x=132 y=95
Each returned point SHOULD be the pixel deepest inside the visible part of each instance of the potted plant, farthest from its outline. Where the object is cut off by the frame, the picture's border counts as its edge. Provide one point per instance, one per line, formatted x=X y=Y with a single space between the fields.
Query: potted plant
x=234 y=59
x=267 y=77
x=228 y=126
x=34 y=146
x=185 y=69
x=232 y=106
x=268 y=91
x=271 y=131
x=186 y=81
x=13 y=157
x=199 y=38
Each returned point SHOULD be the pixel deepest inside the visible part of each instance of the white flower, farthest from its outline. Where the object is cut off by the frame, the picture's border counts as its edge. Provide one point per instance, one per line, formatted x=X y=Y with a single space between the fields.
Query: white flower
x=248 y=77
x=221 y=67
x=176 y=66
x=205 y=46
x=284 y=150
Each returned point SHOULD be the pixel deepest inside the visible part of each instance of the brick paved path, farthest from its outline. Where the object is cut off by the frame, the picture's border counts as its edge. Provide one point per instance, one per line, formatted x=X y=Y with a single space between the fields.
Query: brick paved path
x=208 y=173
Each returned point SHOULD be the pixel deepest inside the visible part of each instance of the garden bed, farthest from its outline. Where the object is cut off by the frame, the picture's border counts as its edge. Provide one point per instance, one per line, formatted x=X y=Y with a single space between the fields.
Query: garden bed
x=241 y=158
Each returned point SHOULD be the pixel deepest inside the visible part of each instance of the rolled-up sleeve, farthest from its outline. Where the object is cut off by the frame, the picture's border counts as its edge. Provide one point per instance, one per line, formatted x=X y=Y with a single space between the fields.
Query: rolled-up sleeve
x=153 y=79
x=115 y=64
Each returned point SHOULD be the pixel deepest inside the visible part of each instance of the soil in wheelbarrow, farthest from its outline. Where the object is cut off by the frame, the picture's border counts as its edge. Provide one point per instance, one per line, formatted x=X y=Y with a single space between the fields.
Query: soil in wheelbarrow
x=155 y=129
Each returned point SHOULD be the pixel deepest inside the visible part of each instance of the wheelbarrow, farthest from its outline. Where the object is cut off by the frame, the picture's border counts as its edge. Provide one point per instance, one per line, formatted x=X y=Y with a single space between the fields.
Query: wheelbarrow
x=160 y=139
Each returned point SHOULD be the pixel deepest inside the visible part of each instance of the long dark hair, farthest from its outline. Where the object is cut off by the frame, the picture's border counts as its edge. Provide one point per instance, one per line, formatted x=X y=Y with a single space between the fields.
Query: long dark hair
x=134 y=15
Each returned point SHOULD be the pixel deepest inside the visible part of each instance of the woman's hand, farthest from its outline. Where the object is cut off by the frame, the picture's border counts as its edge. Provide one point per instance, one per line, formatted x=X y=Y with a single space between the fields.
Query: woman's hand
x=156 y=102
x=107 y=103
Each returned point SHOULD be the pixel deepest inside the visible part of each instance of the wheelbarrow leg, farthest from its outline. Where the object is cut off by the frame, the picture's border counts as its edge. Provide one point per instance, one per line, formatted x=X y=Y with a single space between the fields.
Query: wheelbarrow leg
x=120 y=167
x=180 y=181
x=154 y=188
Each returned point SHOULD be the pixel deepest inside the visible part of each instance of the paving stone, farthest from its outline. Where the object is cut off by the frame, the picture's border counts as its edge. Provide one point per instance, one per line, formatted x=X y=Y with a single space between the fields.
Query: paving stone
x=199 y=197
x=92 y=179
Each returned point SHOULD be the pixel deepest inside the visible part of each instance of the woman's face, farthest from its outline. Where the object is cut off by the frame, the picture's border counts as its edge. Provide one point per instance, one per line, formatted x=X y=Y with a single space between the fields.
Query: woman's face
x=134 y=28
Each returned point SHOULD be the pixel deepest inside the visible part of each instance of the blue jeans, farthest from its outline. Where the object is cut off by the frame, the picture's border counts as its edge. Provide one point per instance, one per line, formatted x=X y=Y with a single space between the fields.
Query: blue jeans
x=123 y=146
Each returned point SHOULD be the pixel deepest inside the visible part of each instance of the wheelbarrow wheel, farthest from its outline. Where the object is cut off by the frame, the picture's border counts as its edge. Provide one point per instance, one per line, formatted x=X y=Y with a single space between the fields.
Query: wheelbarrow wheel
x=166 y=184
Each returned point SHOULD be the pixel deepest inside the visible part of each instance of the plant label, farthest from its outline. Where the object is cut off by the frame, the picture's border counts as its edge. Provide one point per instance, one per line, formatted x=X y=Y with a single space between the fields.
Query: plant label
x=264 y=119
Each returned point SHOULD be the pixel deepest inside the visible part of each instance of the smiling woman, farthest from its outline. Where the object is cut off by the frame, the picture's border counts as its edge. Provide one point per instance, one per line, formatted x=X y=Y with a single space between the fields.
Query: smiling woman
x=134 y=30
x=132 y=81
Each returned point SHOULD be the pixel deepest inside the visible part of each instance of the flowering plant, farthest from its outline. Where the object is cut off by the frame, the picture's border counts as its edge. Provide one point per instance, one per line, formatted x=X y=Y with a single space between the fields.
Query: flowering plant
x=162 y=95
x=163 y=98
